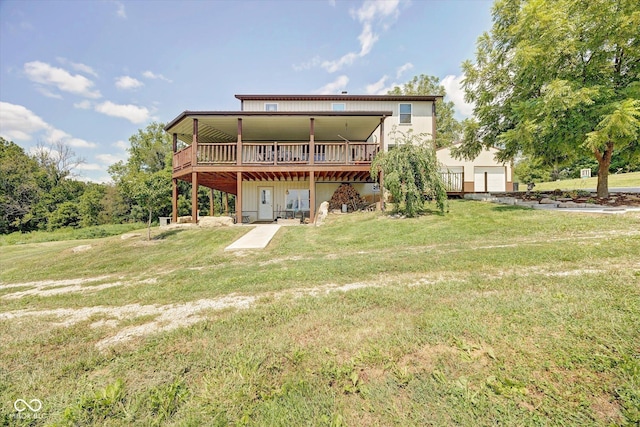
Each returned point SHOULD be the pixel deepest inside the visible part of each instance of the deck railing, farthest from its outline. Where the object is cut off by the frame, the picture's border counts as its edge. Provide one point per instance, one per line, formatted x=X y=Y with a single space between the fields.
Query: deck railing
x=182 y=159
x=222 y=153
x=453 y=181
x=277 y=153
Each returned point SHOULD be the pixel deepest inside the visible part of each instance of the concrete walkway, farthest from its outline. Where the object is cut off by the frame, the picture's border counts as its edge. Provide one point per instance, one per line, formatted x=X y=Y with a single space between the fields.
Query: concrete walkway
x=258 y=238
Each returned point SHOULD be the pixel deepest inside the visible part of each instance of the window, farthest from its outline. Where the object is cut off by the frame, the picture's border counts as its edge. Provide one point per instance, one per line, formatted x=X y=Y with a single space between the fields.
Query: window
x=270 y=107
x=405 y=113
x=297 y=200
x=338 y=106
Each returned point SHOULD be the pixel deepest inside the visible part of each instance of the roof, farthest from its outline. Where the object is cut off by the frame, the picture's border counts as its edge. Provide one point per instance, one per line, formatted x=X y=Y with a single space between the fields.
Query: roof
x=342 y=97
x=219 y=126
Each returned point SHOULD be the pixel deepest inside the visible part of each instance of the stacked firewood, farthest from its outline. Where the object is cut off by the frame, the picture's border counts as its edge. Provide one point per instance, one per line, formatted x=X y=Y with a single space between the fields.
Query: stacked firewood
x=346 y=195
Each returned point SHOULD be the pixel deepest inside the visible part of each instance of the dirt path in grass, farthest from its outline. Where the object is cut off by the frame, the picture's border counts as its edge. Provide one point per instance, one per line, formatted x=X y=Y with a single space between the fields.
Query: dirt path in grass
x=154 y=318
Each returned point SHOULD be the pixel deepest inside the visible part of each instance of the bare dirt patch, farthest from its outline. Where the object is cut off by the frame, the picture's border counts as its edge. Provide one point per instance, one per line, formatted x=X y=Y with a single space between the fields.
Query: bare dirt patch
x=167 y=317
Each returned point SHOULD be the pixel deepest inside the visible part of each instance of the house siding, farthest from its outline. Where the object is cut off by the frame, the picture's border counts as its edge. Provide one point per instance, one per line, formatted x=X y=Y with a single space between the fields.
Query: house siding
x=324 y=191
x=421 y=121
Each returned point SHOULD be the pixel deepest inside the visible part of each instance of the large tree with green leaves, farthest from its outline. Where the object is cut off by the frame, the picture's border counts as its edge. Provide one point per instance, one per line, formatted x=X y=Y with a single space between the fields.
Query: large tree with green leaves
x=144 y=179
x=555 y=79
x=21 y=180
x=411 y=173
x=448 y=129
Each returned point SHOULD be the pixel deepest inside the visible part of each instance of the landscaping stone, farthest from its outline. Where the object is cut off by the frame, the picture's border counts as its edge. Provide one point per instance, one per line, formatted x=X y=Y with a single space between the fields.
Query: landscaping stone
x=323 y=211
x=572 y=205
x=127 y=236
x=548 y=201
x=215 y=221
x=81 y=248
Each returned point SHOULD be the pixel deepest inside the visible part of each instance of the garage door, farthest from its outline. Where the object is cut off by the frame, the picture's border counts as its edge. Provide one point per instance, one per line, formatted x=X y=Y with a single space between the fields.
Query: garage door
x=495 y=179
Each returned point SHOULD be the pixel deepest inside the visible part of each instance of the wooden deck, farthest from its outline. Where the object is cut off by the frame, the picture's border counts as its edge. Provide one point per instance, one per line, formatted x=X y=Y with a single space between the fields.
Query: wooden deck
x=290 y=155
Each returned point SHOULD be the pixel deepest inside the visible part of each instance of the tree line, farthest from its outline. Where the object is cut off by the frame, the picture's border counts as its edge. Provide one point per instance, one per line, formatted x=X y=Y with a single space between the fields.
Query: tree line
x=38 y=190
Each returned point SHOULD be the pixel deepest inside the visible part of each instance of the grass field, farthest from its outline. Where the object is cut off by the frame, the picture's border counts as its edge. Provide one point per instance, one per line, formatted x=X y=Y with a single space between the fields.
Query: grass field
x=615 y=180
x=489 y=315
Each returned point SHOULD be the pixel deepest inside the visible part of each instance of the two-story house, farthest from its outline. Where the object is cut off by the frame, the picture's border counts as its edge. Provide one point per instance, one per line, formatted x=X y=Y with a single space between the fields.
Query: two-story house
x=282 y=155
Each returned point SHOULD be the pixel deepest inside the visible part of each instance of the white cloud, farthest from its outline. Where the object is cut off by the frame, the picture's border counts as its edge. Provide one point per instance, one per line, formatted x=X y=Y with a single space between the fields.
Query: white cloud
x=455 y=93
x=104 y=179
x=133 y=113
x=123 y=145
x=406 y=67
x=151 y=75
x=109 y=159
x=46 y=92
x=372 y=9
x=378 y=88
x=372 y=14
x=333 y=66
x=43 y=73
x=378 y=12
x=83 y=105
x=77 y=142
x=54 y=135
x=120 y=11
x=89 y=167
x=83 y=68
x=21 y=124
x=126 y=82
x=334 y=87
x=313 y=62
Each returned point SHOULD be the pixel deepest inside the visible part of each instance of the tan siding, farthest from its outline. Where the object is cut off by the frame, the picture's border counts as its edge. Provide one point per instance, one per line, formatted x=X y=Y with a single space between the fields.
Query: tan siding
x=421 y=112
x=324 y=191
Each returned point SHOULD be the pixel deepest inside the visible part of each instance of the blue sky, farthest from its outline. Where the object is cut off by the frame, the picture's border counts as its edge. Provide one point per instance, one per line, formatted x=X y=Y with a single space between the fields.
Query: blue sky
x=91 y=73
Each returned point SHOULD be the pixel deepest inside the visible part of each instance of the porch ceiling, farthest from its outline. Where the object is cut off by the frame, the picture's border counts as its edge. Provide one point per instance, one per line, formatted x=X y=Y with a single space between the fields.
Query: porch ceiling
x=226 y=181
x=221 y=127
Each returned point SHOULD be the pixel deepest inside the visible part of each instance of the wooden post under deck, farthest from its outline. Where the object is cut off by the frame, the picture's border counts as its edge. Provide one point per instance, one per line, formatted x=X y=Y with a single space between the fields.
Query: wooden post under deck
x=194 y=144
x=239 y=198
x=381 y=175
x=239 y=143
x=312 y=143
x=226 y=203
x=174 y=201
x=312 y=197
x=212 y=203
x=194 y=197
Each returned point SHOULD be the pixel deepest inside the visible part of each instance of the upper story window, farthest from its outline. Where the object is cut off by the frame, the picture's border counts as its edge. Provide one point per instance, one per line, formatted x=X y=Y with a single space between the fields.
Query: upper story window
x=270 y=107
x=341 y=106
x=405 y=113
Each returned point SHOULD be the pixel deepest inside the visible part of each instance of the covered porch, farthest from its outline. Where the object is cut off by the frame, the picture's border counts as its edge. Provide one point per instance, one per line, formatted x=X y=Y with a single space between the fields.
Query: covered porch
x=250 y=152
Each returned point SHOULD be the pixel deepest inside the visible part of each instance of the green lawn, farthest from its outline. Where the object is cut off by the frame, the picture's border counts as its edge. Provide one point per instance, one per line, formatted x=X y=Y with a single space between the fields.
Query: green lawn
x=618 y=180
x=489 y=315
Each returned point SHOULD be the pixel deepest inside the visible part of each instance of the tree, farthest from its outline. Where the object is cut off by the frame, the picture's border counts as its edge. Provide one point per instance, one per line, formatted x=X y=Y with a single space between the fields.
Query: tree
x=152 y=193
x=65 y=215
x=556 y=79
x=58 y=159
x=90 y=204
x=144 y=181
x=411 y=173
x=151 y=149
x=448 y=129
x=20 y=178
